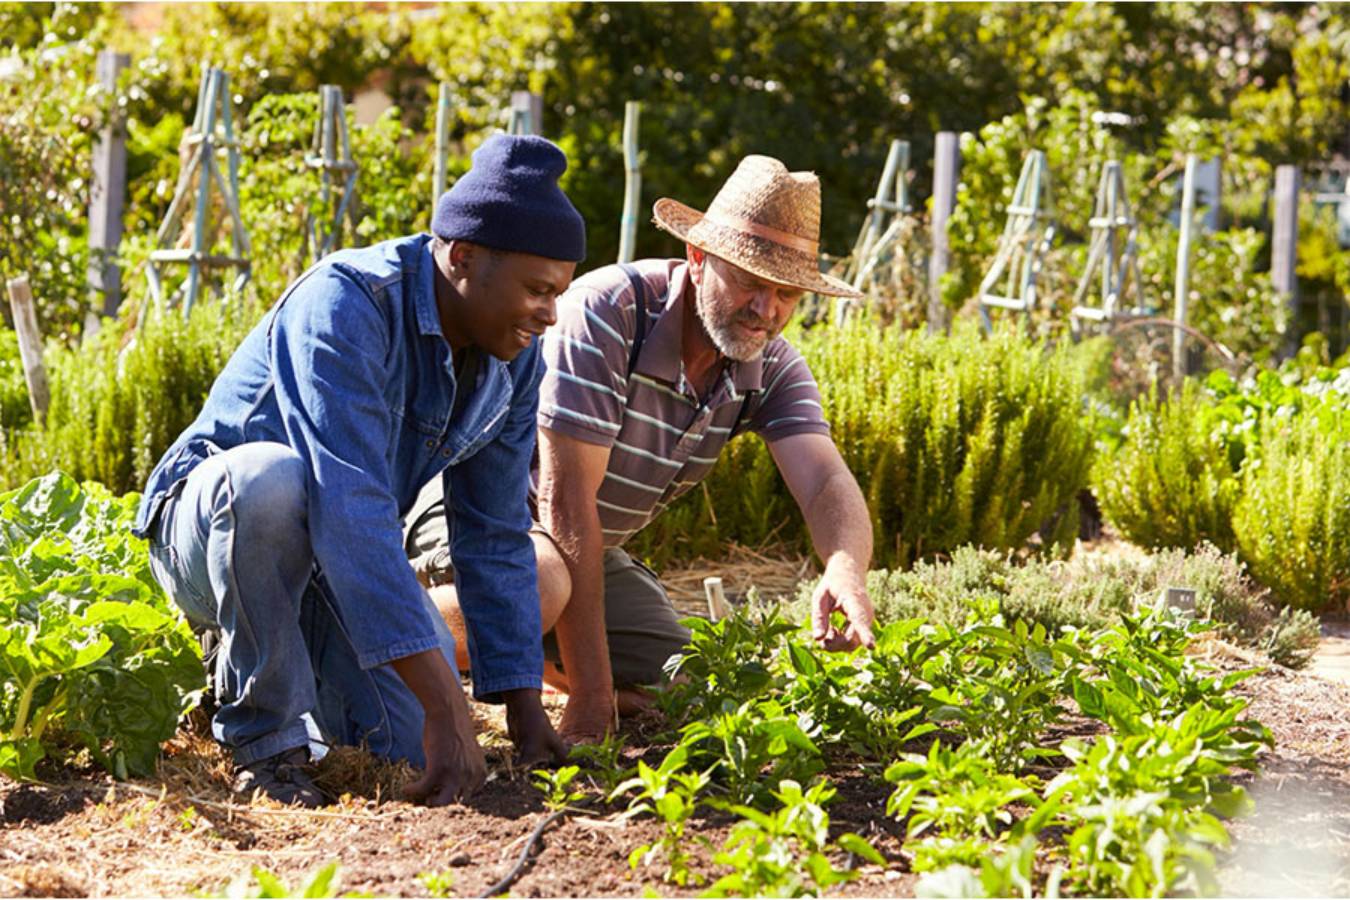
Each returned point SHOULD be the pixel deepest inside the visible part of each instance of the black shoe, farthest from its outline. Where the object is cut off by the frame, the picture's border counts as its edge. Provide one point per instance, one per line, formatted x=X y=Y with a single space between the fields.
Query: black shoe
x=282 y=777
x=210 y=641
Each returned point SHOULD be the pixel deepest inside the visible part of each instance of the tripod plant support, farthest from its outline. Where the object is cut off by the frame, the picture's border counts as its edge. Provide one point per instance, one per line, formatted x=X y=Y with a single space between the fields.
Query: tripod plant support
x=212 y=131
x=1026 y=237
x=332 y=156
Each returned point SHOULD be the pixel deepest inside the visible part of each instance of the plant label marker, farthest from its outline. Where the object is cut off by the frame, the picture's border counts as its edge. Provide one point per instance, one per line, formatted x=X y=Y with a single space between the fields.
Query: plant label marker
x=1181 y=599
x=717 y=600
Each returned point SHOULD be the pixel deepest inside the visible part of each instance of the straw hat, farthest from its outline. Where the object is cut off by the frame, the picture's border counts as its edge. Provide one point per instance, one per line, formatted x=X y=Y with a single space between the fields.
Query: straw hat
x=765 y=220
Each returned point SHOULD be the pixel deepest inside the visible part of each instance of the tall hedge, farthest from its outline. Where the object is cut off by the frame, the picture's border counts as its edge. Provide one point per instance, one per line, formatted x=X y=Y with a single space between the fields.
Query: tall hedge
x=954 y=440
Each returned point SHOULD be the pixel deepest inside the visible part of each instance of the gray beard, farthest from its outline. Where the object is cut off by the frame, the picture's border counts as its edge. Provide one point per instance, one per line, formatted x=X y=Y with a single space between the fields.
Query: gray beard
x=739 y=350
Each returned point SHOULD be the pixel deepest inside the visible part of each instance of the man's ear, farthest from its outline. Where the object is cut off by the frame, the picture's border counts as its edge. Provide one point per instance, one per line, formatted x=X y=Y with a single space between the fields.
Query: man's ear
x=461 y=255
x=696 y=258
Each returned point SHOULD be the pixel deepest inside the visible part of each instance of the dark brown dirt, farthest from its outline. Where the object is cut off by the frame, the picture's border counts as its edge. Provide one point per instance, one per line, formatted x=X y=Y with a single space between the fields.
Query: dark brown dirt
x=182 y=833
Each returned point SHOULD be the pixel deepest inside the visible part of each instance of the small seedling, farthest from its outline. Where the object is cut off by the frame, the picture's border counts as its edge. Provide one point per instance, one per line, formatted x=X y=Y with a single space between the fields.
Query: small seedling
x=556 y=787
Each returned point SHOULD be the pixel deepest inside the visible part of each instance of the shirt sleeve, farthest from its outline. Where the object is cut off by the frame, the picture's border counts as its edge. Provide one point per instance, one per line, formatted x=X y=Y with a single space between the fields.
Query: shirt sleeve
x=584 y=390
x=495 y=572
x=329 y=344
x=790 y=402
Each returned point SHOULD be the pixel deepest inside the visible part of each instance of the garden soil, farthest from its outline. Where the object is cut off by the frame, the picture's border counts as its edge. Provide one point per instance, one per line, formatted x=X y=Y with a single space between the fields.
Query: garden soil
x=80 y=834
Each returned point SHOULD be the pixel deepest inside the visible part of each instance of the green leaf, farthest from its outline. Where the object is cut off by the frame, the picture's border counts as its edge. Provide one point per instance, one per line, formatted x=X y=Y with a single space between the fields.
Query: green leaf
x=19 y=758
x=858 y=846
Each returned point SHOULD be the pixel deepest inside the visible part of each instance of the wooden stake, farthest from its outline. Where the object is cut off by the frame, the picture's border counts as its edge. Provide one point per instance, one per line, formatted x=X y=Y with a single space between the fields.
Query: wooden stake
x=946 y=163
x=1183 y=282
x=106 y=194
x=30 y=345
x=1284 y=244
x=717 y=600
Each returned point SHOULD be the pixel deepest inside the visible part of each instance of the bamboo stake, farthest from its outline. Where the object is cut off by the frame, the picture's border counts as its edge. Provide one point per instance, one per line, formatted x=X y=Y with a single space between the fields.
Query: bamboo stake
x=442 y=143
x=632 y=192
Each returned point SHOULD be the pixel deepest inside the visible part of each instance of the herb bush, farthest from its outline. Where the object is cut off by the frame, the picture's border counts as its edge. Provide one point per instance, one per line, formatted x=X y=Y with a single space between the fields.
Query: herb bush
x=118 y=401
x=92 y=655
x=1171 y=482
x=1258 y=467
x=954 y=439
x=1089 y=594
x=1293 y=522
x=15 y=410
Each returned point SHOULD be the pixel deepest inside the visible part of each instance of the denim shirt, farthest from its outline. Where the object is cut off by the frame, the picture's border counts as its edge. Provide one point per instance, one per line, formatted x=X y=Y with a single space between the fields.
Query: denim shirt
x=351 y=370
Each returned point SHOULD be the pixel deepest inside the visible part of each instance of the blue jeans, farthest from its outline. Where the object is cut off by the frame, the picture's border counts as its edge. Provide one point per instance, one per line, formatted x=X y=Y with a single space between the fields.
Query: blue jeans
x=232 y=548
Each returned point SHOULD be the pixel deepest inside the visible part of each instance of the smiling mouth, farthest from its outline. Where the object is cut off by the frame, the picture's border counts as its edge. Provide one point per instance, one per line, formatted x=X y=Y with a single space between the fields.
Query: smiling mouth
x=525 y=335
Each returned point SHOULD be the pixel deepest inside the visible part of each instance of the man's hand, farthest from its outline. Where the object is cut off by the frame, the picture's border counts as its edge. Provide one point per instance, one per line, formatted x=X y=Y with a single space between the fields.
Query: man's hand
x=842 y=588
x=530 y=730
x=455 y=767
x=588 y=718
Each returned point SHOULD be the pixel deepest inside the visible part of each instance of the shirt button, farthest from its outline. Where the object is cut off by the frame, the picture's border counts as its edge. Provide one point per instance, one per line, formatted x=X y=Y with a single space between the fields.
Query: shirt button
x=446 y=453
x=431 y=444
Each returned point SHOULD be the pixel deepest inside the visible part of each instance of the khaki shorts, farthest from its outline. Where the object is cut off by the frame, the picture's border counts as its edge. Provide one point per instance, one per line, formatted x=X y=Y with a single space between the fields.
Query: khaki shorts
x=643 y=627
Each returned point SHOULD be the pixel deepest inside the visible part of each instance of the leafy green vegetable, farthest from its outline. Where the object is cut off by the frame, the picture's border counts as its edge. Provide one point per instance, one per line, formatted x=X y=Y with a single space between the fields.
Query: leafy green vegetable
x=92 y=654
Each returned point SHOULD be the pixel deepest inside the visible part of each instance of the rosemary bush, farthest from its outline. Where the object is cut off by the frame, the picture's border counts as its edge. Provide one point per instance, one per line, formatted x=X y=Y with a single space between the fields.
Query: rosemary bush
x=955 y=439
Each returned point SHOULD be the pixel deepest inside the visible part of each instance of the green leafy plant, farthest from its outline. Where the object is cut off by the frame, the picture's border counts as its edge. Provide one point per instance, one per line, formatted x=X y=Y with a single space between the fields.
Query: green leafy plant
x=91 y=652
x=1293 y=522
x=1172 y=482
x=671 y=792
x=260 y=882
x=556 y=786
x=785 y=852
x=438 y=884
x=752 y=744
x=954 y=792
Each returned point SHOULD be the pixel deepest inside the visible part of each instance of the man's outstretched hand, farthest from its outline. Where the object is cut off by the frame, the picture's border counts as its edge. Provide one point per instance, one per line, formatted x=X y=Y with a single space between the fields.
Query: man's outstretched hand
x=455 y=767
x=530 y=730
x=842 y=588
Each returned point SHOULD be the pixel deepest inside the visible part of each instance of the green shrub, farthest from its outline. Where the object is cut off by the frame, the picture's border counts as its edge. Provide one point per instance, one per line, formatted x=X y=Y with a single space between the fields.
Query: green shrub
x=1293 y=523
x=1087 y=594
x=954 y=440
x=15 y=409
x=118 y=402
x=1171 y=482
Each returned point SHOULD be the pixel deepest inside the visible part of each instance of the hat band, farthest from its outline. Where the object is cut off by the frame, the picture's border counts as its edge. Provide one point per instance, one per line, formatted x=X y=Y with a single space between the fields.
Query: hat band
x=796 y=242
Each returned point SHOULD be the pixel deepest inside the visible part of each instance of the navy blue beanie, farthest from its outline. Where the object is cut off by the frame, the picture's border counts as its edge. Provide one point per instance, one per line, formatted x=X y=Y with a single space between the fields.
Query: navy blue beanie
x=510 y=200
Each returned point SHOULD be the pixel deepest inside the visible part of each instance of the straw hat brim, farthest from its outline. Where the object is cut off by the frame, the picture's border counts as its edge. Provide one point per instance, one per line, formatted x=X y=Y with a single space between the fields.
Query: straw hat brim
x=756 y=255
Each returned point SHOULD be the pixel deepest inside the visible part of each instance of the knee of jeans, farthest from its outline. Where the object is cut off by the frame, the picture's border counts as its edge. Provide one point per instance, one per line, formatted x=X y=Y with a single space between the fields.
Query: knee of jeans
x=268 y=487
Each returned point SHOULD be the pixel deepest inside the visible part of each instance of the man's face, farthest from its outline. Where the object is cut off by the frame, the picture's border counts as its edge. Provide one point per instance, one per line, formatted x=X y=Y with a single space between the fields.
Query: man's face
x=740 y=312
x=509 y=298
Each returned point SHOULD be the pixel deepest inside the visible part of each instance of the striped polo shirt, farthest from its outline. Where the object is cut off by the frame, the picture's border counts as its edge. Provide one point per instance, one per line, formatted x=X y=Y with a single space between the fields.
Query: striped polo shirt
x=663 y=437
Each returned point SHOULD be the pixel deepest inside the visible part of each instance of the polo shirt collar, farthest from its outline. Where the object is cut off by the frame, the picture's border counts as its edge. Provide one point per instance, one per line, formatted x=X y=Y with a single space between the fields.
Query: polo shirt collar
x=660 y=353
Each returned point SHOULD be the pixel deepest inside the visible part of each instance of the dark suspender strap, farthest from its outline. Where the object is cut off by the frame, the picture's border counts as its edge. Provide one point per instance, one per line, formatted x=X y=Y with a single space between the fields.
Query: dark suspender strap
x=740 y=413
x=639 y=312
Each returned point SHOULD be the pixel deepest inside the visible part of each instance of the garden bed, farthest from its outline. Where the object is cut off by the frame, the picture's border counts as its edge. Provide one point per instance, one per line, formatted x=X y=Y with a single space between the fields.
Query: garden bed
x=82 y=834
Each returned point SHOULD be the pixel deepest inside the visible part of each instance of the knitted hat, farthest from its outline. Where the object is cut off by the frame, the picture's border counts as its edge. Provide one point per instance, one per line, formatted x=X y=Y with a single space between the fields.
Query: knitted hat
x=510 y=200
x=765 y=220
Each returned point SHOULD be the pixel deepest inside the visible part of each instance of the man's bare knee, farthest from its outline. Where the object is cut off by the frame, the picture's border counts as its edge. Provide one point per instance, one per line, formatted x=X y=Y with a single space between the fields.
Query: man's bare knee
x=555 y=579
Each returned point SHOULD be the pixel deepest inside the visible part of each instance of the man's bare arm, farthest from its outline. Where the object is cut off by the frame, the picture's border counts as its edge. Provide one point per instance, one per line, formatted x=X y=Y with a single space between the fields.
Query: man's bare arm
x=570 y=474
x=841 y=530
